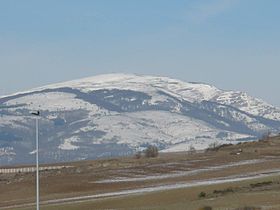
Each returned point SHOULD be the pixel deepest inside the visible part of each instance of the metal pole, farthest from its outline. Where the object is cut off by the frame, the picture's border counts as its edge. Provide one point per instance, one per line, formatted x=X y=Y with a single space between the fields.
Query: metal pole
x=37 y=163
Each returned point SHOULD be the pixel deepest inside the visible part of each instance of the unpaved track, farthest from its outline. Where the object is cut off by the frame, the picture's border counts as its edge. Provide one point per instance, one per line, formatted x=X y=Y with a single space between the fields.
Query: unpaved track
x=195 y=183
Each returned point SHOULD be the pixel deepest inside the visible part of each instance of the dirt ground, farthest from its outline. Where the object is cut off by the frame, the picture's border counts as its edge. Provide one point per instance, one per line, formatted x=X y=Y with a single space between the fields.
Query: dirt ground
x=228 y=177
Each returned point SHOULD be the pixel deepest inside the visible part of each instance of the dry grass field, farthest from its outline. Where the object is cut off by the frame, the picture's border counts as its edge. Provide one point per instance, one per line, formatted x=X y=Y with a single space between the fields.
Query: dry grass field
x=228 y=177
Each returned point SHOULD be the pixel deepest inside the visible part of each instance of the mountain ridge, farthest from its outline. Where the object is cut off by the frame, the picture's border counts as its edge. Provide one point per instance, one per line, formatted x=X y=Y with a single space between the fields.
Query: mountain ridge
x=118 y=114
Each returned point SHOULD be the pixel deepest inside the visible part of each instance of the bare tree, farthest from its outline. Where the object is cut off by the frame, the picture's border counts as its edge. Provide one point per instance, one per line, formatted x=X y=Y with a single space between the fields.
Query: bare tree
x=138 y=155
x=213 y=146
x=151 y=151
x=192 y=150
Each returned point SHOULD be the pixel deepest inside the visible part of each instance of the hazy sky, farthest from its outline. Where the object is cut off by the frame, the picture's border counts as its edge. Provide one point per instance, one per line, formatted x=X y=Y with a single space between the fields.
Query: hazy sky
x=232 y=44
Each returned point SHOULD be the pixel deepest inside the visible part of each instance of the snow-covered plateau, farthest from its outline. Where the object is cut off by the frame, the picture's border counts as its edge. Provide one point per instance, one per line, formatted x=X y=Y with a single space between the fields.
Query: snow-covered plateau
x=119 y=114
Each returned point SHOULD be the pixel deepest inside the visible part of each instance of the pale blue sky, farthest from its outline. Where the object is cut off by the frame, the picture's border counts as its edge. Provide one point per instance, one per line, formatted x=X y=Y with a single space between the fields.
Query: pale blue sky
x=232 y=44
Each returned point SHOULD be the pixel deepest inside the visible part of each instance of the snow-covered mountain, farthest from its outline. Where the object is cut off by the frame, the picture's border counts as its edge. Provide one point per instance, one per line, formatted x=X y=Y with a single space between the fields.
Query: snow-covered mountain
x=117 y=114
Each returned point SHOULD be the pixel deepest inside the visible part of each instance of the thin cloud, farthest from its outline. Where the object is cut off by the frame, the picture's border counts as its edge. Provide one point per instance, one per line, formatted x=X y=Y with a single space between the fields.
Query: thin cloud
x=203 y=10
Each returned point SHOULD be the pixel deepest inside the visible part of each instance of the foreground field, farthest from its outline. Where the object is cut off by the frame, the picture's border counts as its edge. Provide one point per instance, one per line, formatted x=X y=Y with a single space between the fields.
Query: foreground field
x=183 y=199
x=227 y=178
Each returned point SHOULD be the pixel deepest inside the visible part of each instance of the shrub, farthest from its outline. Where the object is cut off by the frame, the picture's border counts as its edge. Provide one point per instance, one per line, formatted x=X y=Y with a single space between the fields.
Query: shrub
x=248 y=208
x=202 y=195
x=205 y=208
x=227 y=190
x=151 y=151
x=138 y=155
x=265 y=136
x=192 y=150
x=213 y=146
x=261 y=184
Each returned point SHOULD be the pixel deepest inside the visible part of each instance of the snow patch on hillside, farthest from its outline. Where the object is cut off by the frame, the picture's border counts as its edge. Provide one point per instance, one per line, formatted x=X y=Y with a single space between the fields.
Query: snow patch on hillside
x=193 y=92
x=159 y=128
x=52 y=101
x=248 y=104
x=12 y=121
x=68 y=144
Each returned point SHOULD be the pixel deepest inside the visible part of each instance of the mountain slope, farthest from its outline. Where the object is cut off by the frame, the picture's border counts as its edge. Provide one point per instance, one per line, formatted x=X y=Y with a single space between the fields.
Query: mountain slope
x=116 y=114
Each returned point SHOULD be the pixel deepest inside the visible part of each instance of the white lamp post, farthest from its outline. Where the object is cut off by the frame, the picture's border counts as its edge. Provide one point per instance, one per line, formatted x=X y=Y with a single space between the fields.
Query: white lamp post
x=37 y=114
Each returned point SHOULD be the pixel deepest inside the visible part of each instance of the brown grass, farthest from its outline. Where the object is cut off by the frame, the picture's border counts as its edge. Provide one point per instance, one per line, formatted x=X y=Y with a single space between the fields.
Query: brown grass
x=81 y=179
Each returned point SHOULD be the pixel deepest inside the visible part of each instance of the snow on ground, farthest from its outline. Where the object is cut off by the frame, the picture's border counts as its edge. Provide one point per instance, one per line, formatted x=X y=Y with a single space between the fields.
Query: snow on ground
x=156 y=127
x=68 y=144
x=156 y=98
x=248 y=104
x=52 y=101
x=200 y=144
x=12 y=121
x=148 y=84
x=235 y=136
x=252 y=123
x=4 y=151
x=193 y=92
x=85 y=129
x=176 y=131
x=144 y=127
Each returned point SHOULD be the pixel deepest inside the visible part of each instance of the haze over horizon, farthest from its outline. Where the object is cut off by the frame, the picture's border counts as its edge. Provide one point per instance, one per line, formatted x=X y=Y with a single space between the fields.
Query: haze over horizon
x=231 y=44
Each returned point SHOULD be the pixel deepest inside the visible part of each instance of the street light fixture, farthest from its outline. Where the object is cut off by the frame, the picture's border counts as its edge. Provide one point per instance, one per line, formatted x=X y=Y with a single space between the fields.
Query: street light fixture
x=37 y=114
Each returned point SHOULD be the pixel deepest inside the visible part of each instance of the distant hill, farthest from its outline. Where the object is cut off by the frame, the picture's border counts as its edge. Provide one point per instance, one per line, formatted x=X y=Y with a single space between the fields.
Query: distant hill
x=118 y=114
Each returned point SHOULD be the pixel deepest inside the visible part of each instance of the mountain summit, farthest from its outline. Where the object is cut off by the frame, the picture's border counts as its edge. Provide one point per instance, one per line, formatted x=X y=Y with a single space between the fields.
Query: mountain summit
x=118 y=114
